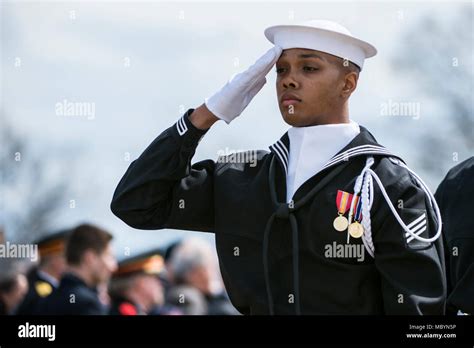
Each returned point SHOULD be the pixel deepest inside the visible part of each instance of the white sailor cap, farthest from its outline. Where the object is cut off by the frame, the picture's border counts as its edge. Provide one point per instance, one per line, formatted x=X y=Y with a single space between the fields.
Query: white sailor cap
x=322 y=35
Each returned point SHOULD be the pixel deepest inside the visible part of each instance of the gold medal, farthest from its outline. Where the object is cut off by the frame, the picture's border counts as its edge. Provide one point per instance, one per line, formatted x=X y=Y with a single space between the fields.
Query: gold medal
x=340 y=223
x=356 y=230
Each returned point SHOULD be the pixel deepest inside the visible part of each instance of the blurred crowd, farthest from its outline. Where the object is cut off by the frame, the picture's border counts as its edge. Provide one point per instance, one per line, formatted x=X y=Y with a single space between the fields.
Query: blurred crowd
x=77 y=273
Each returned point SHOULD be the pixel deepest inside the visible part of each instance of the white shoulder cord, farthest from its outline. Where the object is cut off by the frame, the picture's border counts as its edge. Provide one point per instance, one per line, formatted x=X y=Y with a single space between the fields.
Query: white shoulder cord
x=366 y=201
x=364 y=183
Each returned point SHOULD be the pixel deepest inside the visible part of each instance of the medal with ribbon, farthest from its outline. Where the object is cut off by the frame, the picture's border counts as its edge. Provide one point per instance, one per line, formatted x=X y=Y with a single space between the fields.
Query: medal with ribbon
x=356 y=230
x=343 y=202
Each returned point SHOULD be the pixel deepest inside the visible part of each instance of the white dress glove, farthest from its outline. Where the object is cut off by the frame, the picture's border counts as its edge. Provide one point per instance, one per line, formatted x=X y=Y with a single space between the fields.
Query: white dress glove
x=233 y=98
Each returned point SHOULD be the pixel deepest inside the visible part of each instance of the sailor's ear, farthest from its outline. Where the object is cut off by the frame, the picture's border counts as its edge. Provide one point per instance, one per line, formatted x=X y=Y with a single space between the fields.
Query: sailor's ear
x=350 y=83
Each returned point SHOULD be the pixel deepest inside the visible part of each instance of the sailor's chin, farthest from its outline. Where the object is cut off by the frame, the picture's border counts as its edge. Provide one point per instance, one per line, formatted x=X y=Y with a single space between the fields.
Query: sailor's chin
x=292 y=119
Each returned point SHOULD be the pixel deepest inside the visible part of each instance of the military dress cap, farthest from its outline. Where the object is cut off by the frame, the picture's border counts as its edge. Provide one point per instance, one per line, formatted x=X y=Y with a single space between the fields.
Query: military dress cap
x=52 y=244
x=324 y=36
x=150 y=262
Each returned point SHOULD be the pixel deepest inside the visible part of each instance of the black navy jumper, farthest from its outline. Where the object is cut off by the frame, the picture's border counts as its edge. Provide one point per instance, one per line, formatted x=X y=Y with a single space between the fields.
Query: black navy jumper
x=272 y=255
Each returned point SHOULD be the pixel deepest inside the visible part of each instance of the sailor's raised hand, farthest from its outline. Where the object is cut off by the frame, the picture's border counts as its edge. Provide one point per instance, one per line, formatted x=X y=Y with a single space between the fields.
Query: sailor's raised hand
x=231 y=100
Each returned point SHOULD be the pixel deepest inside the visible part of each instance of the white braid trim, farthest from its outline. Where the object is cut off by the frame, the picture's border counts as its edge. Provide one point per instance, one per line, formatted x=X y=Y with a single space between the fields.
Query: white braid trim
x=364 y=184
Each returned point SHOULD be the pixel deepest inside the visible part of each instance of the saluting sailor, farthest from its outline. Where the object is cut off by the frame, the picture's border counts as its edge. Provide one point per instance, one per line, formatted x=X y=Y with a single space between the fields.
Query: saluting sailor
x=325 y=183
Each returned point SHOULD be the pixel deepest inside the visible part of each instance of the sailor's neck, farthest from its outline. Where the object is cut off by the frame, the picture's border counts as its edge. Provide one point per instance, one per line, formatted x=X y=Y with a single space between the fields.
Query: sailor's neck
x=343 y=122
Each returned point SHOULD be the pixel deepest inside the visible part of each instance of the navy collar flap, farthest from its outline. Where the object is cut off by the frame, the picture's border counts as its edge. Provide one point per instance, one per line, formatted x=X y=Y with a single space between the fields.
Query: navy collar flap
x=363 y=144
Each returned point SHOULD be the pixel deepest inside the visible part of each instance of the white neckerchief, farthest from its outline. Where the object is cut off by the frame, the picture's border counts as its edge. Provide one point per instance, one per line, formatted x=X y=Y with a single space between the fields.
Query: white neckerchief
x=312 y=147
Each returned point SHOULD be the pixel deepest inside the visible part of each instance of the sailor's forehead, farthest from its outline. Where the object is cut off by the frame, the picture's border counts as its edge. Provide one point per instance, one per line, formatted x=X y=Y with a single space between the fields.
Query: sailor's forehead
x=303 y=53
x=297 y=50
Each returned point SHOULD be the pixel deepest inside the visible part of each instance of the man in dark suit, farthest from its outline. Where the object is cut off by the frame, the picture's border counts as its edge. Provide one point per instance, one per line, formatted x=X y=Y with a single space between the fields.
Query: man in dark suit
x=454 y=196
x=135 y=288
x=90 y=263
x=44 y=278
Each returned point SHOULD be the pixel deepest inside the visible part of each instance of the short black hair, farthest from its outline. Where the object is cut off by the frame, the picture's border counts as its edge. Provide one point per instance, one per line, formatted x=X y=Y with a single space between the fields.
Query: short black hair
x=86 y=237
x=348 y=66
